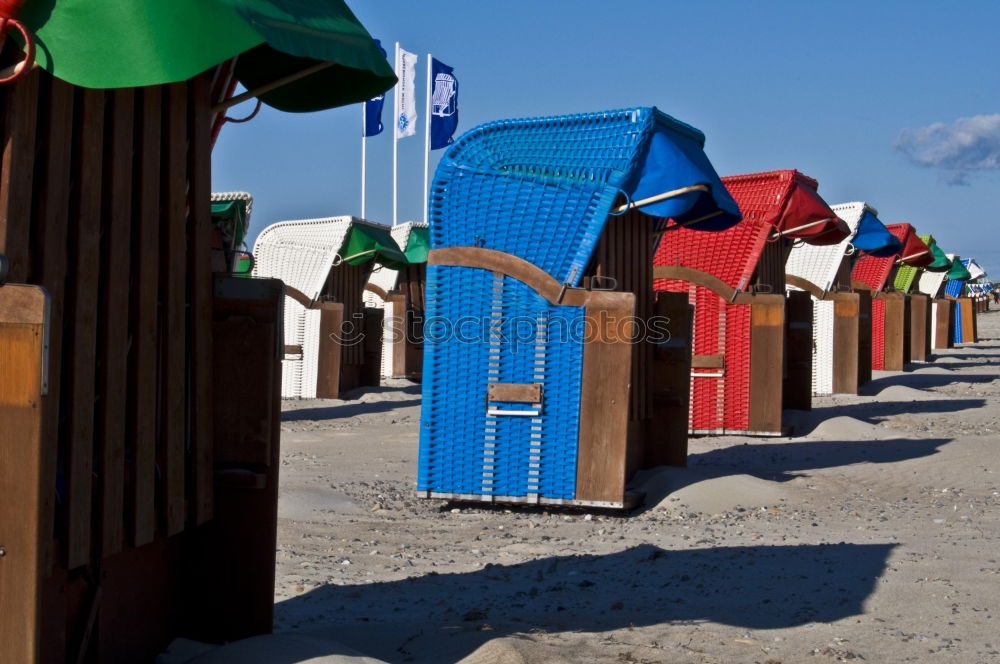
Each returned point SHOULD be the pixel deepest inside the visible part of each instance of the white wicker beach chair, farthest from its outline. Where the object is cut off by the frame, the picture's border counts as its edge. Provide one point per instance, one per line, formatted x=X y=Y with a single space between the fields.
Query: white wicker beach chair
x=820 y=266
x=301 y=253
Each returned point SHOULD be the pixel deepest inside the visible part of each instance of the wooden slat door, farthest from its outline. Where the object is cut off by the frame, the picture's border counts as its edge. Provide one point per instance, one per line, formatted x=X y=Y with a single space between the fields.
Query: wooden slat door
x=23 y=314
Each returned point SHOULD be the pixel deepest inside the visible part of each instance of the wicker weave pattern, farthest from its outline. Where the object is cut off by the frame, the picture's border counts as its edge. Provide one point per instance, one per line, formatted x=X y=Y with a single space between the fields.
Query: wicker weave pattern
x=500 y=455
x=822 y=381
x=873 y=271
x=301 y=253
x=878 y=334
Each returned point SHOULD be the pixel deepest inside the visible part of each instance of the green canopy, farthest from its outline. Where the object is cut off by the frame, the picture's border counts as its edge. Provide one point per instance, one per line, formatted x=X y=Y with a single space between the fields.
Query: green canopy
x=958 y=271
x=906 y=275
x=132 y=43
x=231 y=217
x=417 y=245
x=366 y=243
x=941 y=262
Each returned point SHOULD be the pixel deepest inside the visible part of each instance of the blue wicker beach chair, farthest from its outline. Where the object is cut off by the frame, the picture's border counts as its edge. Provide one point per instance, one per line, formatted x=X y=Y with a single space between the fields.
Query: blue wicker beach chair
x=528 y=356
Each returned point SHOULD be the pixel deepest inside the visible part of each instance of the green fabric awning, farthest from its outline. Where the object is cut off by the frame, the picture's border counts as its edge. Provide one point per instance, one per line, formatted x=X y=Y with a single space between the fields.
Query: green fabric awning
x=958 y=271
x=940 y=262
x=132 y=43
x=366 y=243
x=232 y=217
x=417 y=245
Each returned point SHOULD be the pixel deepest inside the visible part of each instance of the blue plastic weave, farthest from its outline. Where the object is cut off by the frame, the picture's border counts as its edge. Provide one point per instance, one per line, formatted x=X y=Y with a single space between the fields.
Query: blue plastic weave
x=954 y=288
x=508 y=334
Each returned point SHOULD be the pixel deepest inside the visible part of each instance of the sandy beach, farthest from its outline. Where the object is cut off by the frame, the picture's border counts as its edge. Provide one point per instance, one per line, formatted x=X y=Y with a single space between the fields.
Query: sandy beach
x=872 y=534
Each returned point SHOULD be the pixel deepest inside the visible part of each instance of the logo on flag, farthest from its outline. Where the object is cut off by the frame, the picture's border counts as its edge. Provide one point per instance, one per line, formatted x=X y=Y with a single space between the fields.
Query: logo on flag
x=406 y=97
x=444 y=105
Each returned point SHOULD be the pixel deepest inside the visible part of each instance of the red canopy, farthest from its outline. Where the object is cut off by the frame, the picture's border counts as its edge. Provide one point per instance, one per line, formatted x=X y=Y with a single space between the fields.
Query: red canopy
x=915 y=252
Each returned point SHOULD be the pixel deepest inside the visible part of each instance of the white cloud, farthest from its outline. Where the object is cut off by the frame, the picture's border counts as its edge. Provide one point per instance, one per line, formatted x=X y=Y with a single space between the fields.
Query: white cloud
x=957 y=149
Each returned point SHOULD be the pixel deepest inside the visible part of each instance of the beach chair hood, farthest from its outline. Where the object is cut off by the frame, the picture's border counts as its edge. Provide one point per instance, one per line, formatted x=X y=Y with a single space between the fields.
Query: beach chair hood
x=974 y=269
x=873 y=237
x=542 y=188
x=774 y=204
x=302 y=252
x=124 y=43
x=914 y=251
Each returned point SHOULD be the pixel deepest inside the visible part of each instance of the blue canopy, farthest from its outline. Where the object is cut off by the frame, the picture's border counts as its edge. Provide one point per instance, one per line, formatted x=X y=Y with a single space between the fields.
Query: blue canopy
x=543 y=188
x=874 y=238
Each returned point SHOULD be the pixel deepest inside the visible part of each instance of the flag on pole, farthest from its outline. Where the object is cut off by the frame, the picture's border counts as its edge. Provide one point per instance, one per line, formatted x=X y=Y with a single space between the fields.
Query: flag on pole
x=373 y=116
x=406 y=94
x=373 y=109
x=444 y=104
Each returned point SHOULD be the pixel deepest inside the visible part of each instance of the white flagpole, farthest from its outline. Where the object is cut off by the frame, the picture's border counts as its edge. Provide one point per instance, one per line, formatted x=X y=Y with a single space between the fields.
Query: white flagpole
x=427 y=143
x=395 y=139
x=364 y=143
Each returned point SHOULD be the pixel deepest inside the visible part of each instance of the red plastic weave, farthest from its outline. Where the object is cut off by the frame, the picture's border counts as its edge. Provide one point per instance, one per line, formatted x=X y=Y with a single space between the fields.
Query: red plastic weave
x=878 y=334
x=784 y=201
x=873 y=271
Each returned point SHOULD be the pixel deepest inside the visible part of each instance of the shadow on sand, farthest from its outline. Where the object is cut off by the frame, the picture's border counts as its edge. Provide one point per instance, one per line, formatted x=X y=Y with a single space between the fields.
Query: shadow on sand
x=342 y=411
x=781 y=462
x=449 y=615
x=919 y=380
x=874 y=411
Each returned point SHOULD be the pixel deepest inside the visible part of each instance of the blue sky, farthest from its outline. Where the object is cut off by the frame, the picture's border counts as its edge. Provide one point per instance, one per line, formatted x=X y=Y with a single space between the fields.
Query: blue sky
x=895 y=103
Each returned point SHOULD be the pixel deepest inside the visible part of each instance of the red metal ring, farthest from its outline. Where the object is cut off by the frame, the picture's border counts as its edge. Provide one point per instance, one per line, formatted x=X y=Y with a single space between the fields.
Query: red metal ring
x=29 y=50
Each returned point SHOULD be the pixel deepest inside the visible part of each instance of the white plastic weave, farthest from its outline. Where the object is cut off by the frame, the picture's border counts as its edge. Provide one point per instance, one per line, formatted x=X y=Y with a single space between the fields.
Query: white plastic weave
x=931 y=283
x=934 y=317
x=823 y=347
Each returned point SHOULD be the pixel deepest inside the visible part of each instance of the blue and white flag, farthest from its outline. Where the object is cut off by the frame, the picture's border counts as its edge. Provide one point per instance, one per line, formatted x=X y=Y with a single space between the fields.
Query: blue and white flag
x=444 y=104
x=373 y=116
x=406 y=94
x=373 y=109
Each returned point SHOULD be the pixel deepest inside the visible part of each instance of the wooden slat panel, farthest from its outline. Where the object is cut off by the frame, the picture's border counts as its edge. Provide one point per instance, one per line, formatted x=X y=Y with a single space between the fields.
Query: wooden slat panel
x=942 y=322
x=173 y=292
x=667 y=439
x=52 y=215
x=895 y=322
x=797 y=387
x=22 y=483
x=767 y=330
x=114 y=302
x=919 y=327
x=17 y=172
x=329 y=362
x=82 y=302
x=604 y=404
x=397 y=328
x=199 y=261
x=144 y=317
x=907 y=330
x=846 y=323
x=864 y=336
